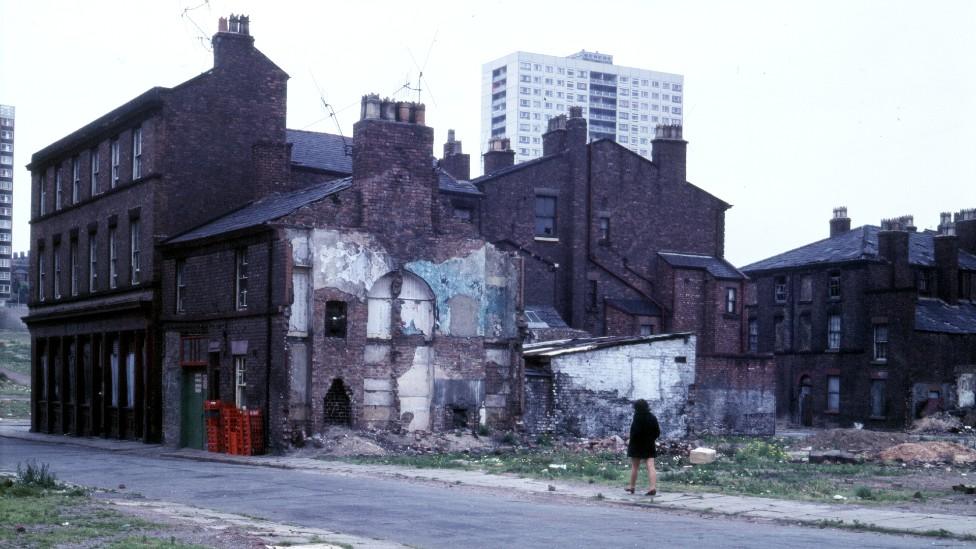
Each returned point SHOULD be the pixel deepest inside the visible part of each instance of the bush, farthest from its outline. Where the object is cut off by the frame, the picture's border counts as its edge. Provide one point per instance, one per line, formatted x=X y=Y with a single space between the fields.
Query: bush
x=864 y=492
x=509 y=438
x=760 y=451
x=39 y=476
x=484 y=430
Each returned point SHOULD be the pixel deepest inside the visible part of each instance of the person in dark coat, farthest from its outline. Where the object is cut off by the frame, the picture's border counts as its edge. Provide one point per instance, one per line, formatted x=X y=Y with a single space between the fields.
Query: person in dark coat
x=644 y=431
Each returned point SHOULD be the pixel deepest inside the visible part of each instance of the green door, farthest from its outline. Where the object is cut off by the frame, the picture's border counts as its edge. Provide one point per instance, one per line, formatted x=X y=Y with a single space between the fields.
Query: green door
x=191 y=406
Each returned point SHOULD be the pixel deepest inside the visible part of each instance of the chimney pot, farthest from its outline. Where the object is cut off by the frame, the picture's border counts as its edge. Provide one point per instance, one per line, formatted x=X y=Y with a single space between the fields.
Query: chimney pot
x=222 y=24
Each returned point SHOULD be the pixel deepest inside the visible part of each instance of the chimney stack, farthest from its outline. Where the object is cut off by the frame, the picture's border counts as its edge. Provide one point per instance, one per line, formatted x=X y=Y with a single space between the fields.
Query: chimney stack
x=233 y=42
x=893 y=242
x=947 y=267
x=965 y=224
x=454 y=161
x=840 y=223
x=902 y=223
x=499 y=155
x=554 y=140
x=669 y=152
x=576 y=133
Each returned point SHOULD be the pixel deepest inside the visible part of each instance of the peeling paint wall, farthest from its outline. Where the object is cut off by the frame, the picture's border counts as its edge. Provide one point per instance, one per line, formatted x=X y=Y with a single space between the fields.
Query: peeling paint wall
x=593 y=391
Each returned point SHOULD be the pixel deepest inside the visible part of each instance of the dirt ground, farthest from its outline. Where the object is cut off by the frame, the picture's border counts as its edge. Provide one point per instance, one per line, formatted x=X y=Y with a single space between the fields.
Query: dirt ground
x=339 y=441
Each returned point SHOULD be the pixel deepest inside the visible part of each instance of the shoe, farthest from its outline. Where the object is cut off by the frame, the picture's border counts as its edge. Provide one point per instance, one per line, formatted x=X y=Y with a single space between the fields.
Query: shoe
x=651 y=493
x=629 y=490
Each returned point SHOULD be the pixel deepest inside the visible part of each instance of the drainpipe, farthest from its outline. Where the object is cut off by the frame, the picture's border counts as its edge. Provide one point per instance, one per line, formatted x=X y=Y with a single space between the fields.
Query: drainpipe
x=268 y=346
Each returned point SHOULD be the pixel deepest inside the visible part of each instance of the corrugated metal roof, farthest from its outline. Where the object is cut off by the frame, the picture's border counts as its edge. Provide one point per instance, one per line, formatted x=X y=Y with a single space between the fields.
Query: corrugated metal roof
x=262 y=211
x=579 y=345
x=860 y=244
x=321 y=151
x=719 y=268
x=933 y=315
x=544 y=316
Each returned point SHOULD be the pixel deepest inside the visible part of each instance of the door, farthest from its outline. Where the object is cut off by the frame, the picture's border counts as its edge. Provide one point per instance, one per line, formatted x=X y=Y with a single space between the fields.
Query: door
x=191 y=407
x=805 y=405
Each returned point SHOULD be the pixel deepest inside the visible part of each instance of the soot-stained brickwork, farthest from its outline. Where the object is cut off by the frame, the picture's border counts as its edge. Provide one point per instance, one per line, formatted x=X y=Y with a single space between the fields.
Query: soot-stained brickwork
x=875 y=325
x=375 y=305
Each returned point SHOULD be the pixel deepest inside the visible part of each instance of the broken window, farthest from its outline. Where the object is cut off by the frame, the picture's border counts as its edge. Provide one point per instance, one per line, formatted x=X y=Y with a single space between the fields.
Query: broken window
x=780 y=289
x=337 y=405
x=833 y=393
x=411 y=295
x=335 y=319
x=545 y=216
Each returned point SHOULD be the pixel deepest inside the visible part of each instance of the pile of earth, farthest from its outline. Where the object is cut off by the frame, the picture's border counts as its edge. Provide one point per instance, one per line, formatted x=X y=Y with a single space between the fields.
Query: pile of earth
x=868 y=444
x=337 y=441
x=929 y=452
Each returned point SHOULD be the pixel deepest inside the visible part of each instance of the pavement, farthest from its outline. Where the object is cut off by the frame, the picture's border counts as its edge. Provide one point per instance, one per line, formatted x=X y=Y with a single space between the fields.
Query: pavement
x=753 y=509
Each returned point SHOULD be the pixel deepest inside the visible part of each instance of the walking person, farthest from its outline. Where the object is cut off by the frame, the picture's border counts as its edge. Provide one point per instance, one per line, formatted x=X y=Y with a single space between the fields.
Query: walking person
x=644 y=431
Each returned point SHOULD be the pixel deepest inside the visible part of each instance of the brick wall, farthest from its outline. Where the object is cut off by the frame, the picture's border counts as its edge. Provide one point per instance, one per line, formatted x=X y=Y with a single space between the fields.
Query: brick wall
x=735 y=394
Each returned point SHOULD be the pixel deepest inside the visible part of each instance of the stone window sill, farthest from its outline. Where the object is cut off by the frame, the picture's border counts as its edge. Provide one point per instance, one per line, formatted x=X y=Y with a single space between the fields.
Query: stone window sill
x=546 y=239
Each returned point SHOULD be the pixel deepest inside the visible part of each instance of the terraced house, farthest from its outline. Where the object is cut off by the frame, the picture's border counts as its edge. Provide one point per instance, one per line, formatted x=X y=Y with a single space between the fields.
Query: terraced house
x=875 y=324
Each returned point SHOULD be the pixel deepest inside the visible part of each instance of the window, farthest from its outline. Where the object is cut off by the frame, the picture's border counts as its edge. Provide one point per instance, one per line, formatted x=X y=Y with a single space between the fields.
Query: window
x=75 y=180
x=240 y=382
x=42 y=198
x=604 y=229
x=592 y=295
x=545 y=216
x=833 y=393
x=730 y=300
x=113 y=259
x=57 y=271
x=241 y=277
x=191 y=351
x=780 y=289
x=804 y=333
x=779 y=329
x=41 y=276
x=134 y=251
x=878 y=408
x=130 y=379
x=833 y=286
x=881 y=342
x=415 y=301
x=57 y=188
x=93 y=163
x=753 y=335
x=806 y=288
x=114 y=366
x=335 y=319
x=833 y=332
x=646 y=329
x=92 y=263
x=463 y=213
x=137 y=153
x=73 y=266
x=115 y=163
x=180 y=284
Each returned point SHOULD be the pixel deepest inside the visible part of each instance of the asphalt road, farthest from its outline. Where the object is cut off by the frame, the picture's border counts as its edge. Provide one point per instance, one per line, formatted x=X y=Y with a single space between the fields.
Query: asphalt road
x=421 y=515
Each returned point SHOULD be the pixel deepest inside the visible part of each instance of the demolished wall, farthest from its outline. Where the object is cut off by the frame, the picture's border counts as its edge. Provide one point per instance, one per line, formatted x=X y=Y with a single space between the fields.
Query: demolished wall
x=735 y=394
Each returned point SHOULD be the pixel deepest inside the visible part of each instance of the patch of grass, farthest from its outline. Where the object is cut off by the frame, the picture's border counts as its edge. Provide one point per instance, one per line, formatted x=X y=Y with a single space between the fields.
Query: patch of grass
x=15 y=351
x=15 y=409
x=146 y=542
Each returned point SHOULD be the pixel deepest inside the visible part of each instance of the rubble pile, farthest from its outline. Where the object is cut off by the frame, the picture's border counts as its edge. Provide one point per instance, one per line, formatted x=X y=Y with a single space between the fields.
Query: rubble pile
x=337 y=441
x=858 y=442
x=938 y=424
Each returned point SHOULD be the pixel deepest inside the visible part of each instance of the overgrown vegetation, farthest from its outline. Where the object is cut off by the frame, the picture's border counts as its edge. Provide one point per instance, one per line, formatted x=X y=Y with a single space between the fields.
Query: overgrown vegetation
x=36 y=510
x=15 y=351
x=758 y=467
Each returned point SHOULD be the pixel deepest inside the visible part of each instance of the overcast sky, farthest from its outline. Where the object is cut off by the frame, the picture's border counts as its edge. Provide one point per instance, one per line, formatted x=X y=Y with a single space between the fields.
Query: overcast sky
x=791 y=108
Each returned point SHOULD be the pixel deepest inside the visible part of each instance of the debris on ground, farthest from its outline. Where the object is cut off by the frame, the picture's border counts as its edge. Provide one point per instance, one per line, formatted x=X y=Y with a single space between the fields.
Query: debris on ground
x=339 y=441
x=937 y=424
x=929 y=453
x=833 y=456
x=867 y=444
x=965 y=488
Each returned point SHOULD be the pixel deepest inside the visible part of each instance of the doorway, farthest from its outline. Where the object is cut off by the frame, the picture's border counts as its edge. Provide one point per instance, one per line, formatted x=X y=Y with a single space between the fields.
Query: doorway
x=805 y=402
x=191 y=407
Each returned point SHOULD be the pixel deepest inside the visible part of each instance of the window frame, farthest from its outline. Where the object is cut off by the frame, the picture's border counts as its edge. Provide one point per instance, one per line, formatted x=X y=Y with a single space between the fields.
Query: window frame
x=58 y=204
x=75 y=179
x=93 y=170
x=56 y=250
x=753 y=335
x=240 y=381
x=116 y=156
x=113 y=258
x=880 y=344
x=833 y=286
x=731 y=299
x=92 y=263
x=553 y=218
x=74 y=267
x=780 y=283
x=135 y=252
x=41 y=276
x=240 y=278
x=137 y=153
x=834 y=335
x=180 y=268
x=833 y=394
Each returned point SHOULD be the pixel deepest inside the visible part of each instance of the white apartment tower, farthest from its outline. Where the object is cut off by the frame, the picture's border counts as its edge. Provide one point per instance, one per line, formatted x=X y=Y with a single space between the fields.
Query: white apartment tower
x=6 y=198
x=521 y=91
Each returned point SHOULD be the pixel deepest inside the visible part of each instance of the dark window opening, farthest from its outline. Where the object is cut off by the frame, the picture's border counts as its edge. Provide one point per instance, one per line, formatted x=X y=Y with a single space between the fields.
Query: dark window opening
x=335 y=319
x=338 y=409
x=804 y=333
x=780 y=290
x=463 y=213
x=545 y=216
x=878 y=408
x=646 y=329
x=459 y=418
x=592 y=295
x=753 y=335
x=833 y=286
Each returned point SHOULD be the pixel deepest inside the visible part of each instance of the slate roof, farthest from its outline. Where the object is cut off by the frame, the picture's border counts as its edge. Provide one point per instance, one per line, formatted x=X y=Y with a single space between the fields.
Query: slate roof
x=860 y=244
x=636 y=307
x=934 y=315
x=514 y=168
x=546 y=314
x=719 y=268
x=580 y=345
x=321 y=151
x=264 y=210
x=447 y=183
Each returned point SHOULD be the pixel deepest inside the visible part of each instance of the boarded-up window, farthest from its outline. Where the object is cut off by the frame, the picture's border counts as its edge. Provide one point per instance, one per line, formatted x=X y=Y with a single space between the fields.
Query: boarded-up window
x=379 y=320
x=806 y=288
x=804 y=333
x=415 y=301
x=298 y=321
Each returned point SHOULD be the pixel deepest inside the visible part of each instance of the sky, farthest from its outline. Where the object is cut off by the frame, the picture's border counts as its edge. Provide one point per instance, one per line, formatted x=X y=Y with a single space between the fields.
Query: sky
x=791 y=108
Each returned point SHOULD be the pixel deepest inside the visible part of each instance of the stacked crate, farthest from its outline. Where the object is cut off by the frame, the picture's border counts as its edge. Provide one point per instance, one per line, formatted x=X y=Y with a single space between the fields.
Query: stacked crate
x=252 y=433
x=233 y=431
x=231 y=424
x=211 y=414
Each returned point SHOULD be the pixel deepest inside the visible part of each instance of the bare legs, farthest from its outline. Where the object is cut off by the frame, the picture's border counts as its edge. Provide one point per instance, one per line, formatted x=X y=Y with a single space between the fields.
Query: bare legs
x=635 y=464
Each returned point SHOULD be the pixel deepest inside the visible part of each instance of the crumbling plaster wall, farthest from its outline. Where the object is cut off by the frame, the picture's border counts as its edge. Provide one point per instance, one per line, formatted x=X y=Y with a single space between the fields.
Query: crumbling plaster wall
x=594 y=391
x=408 y=380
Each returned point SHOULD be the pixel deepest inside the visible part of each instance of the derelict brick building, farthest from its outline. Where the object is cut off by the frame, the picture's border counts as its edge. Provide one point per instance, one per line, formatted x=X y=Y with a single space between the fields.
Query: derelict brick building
x=875 y=325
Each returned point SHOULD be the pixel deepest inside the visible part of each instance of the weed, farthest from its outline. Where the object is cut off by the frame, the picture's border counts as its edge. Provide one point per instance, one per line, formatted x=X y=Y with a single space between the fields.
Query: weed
x=39 y=476
x=864 y=492
x=484 y=430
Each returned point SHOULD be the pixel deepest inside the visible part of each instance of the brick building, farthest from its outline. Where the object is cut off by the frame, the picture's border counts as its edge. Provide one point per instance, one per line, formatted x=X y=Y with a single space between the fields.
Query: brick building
x=360 y=301
x=620 y=245
x=103 y=196
x=874 y=324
